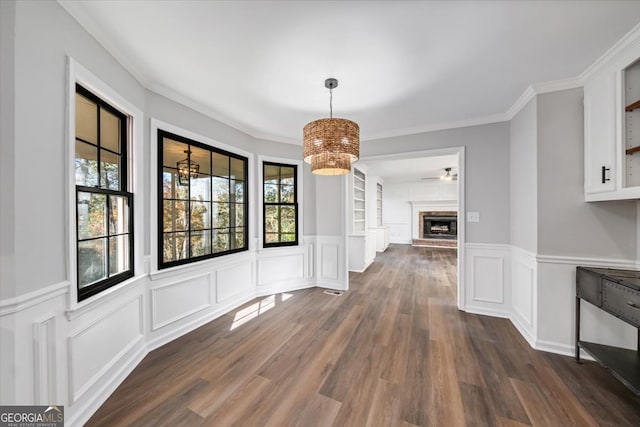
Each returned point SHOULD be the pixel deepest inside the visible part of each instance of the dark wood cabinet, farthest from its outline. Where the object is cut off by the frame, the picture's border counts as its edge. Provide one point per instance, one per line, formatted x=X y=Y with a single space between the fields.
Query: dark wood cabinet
x=617 y=292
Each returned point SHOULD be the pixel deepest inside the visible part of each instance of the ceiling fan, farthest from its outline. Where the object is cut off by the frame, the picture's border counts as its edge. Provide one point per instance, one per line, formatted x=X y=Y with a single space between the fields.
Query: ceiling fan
x=446 y=176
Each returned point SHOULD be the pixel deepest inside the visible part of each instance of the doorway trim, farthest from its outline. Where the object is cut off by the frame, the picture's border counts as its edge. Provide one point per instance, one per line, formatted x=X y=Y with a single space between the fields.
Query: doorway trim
x=460 y=153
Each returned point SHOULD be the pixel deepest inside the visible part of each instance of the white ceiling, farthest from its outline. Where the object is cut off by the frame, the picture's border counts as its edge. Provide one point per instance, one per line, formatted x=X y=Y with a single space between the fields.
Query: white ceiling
x=403 y=66
x=412 y=170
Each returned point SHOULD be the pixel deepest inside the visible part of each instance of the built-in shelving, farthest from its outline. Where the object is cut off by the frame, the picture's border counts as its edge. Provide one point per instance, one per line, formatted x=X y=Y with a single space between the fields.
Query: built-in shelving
x=632 y=106
x=359 y=201
x=632 y=150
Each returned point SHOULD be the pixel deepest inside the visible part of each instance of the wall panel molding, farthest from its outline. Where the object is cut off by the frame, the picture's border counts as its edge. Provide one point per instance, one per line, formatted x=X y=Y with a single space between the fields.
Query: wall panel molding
x=44 y=360
x=84 y=353
x=174 y=301
x=487 y=277
x=22 y=302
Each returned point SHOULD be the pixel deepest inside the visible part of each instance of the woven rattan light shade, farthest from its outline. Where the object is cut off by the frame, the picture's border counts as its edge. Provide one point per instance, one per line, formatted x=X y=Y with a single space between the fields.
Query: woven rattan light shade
x=331 y=145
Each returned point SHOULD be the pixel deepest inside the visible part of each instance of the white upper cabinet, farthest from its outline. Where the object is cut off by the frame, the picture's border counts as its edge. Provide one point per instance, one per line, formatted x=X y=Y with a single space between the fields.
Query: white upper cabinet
x=612 y=128
x=599 y=135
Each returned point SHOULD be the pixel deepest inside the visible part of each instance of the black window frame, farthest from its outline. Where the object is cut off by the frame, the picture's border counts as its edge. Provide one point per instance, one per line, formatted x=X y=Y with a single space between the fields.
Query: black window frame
x=108 y=282
x=294 y=204
x=162 y=134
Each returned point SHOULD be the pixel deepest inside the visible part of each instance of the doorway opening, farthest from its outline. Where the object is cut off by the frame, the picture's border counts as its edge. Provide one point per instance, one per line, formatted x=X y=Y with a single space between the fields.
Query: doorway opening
x=420 y=202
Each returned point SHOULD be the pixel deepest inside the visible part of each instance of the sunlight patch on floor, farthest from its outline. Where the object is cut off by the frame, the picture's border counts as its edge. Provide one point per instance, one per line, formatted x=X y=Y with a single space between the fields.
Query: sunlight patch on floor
x=260 y=307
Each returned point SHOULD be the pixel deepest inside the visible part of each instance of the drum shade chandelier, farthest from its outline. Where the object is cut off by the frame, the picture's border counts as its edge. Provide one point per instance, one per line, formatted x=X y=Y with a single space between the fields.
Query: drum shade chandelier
x=331 y=145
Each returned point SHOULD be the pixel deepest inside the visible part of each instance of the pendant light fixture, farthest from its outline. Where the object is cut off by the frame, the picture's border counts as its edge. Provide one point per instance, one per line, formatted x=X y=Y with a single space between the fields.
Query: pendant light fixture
x=331 y=145
x=187 y=169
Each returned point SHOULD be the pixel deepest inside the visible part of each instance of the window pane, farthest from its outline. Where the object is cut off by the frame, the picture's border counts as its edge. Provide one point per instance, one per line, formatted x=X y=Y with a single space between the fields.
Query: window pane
x=239 y=190
x=272 y=238
x=118 y=254
x=220 y=215
x=288 y=219
x=202 y=158
x=92 y=215
x=201 y=188
x=239 y=208
x=220 y=240
x=239 y=234
x=175 y=215
x=288 y=238
x=86 y=164
x=220 y=165
x=86 y=119
x=92 y=261
x=200 y=215
x=287 y=175
x=271 y=219
x=110 y=170
x=220 y=189
x=173 y=152
x=171 y=189
x=271 y=174
x=287 y=193
x=237 y=169
x=109 y=131
x=271 y=193
x=176 y=246
x=200 y=243
x=118 y=215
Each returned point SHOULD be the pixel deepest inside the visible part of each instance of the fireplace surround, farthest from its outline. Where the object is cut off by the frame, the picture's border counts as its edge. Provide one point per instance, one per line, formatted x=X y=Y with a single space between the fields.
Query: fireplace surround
x=438 y=225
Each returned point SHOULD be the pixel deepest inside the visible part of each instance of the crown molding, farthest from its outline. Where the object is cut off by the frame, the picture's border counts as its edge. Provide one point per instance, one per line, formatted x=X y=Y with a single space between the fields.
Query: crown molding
x=91 y=26
x=629 y=38
x=527 y=95
x=483 y=120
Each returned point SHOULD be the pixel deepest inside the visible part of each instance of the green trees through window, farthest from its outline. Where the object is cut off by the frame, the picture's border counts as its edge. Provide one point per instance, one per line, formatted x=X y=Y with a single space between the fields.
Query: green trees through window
x=104 y=207
x=280 y=204
x=202 y=201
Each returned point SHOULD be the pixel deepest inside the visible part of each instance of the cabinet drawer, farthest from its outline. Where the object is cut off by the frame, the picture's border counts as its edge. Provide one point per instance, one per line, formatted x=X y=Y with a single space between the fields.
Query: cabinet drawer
x=622 y=301
x=588 y=287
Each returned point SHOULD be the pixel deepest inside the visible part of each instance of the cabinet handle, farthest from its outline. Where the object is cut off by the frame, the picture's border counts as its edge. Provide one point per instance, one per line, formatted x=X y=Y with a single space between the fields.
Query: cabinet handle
x=604 y=173
x=633 y=305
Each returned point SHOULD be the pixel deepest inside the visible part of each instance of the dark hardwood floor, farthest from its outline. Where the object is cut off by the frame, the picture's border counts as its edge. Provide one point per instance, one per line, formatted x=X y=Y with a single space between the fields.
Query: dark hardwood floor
x=392 y=351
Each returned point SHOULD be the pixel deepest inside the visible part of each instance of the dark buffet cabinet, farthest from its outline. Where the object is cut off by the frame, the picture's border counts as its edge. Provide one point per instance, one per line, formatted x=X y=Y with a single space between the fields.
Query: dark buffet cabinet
x=617 y=292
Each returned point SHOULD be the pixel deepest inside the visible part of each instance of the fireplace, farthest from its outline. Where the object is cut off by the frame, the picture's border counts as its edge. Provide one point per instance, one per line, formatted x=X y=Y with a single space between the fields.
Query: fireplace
x=438 y=225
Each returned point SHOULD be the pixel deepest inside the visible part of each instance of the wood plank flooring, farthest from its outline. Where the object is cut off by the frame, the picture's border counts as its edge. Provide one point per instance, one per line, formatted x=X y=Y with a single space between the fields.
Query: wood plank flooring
x=392 y=351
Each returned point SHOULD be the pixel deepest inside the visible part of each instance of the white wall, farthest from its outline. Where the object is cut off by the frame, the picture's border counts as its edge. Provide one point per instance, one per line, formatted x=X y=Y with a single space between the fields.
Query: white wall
x=76 y=356
x=397 y=210
x=7 y=149
x=555 y=230
x=524 y=189
x=486 y=172
x=566 y=224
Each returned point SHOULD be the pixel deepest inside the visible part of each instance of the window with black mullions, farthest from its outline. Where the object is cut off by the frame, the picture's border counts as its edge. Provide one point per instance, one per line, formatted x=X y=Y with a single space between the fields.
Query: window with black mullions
x=280 y=204
x=104 y=207
x=202 y=201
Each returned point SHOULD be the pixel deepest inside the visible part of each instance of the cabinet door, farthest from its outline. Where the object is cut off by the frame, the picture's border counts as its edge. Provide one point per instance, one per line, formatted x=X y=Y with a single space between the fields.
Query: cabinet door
x=599 y=134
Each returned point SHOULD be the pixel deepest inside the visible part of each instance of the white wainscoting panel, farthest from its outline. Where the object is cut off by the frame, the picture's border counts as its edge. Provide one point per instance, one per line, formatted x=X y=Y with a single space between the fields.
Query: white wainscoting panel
x=280 y=268
x=331 y=262
x=93 y=350
x=556 y=309
x=44 y=360
x=523 y=293
x=234 y=280
x=487 y=277
x=177 y=300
